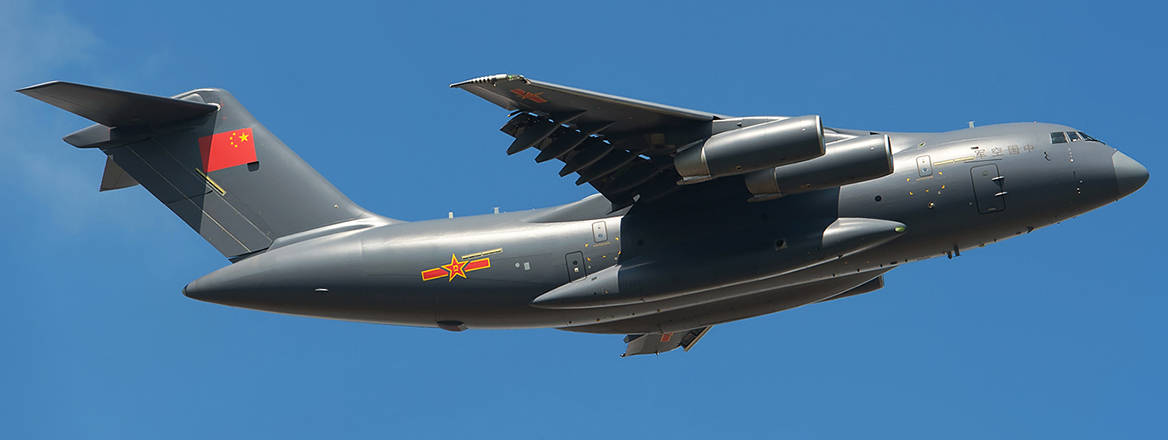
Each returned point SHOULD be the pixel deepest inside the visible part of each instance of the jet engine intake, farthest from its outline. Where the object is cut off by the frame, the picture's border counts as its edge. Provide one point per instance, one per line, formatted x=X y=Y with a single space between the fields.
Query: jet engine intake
x=847 y=161
x=752 y=148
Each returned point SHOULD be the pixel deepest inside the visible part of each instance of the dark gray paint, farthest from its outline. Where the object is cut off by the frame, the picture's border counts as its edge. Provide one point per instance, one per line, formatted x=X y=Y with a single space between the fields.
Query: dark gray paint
x=752 y=148
x=845 y=161
x=681 y=257
x=155 y=141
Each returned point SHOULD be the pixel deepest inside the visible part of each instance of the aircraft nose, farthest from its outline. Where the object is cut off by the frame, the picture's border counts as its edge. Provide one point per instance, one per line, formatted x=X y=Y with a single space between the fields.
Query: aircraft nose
x=1129 y=174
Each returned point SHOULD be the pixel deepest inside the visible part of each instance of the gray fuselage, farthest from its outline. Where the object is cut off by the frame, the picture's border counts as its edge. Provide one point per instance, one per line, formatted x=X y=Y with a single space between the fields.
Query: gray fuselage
x=714 y=256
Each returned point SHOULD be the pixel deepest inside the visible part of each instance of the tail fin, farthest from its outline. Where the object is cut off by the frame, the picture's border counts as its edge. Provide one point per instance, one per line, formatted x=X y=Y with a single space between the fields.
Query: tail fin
x=208 y=160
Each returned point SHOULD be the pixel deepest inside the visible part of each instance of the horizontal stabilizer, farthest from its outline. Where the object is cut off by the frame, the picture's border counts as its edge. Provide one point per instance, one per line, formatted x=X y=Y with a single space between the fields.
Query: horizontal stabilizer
x=208 y=160
x=115 y=108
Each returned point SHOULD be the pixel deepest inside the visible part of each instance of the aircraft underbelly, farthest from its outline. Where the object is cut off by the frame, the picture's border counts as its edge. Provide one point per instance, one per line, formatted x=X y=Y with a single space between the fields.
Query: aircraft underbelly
x=740 y=307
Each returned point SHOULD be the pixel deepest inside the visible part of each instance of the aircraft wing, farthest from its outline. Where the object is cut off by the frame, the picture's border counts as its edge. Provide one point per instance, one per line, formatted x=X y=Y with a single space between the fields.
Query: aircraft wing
x=623 y=147
x=654 y=343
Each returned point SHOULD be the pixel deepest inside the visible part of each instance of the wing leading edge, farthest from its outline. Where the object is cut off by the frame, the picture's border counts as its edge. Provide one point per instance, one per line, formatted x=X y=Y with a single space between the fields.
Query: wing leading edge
x=623 y=147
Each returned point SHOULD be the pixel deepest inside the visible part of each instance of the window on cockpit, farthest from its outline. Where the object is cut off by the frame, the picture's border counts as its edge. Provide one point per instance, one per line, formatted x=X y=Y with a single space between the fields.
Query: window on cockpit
x=1058 y=137
x=1073 y=136
x=1088 y=138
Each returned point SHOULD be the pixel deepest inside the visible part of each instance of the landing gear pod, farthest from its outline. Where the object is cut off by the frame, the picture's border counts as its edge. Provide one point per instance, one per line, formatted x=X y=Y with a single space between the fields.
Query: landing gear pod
x=848 y=161
x=647 y=280
x=750 y=149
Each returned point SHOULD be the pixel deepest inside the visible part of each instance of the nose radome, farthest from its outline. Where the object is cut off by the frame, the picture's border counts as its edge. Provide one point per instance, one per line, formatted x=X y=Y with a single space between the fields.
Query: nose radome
x=1129 y=174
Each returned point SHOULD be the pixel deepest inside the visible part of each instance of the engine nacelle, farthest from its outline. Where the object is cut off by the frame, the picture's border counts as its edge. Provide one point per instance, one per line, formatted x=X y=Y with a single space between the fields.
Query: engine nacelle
x=752 y=148
x=847 y=161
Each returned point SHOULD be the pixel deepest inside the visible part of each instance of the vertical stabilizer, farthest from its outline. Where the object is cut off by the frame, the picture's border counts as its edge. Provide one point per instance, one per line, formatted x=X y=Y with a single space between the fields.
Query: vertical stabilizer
x=208 y=160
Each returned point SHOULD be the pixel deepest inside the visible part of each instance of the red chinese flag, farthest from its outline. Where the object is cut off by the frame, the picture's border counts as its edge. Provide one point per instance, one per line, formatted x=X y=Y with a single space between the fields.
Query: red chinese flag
x=227 y=149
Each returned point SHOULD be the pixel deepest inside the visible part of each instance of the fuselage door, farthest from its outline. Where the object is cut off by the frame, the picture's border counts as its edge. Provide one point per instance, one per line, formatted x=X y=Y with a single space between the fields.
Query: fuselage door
x=988 y=188
x=575 y=262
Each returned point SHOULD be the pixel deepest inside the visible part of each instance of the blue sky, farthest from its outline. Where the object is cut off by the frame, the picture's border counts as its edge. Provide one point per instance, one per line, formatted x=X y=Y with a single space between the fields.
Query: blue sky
x=1058 y=334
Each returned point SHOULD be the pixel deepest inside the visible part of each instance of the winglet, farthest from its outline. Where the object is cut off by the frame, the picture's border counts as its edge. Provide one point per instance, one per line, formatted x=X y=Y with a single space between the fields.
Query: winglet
x=116 y=108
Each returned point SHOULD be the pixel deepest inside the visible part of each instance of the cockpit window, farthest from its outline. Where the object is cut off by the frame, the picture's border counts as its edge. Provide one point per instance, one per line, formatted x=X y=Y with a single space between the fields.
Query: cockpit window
x=1062 y=137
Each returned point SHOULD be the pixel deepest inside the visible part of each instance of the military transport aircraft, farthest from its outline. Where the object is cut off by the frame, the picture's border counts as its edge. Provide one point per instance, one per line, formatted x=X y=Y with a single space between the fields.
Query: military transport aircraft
x=700 y=219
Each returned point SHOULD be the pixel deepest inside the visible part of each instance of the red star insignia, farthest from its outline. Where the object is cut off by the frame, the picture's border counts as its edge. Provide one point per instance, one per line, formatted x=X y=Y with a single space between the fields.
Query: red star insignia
x=454 y=268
